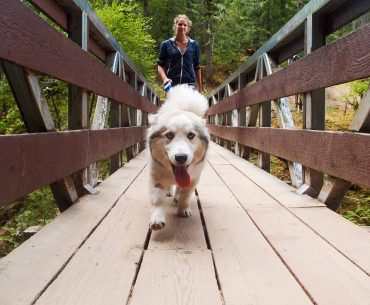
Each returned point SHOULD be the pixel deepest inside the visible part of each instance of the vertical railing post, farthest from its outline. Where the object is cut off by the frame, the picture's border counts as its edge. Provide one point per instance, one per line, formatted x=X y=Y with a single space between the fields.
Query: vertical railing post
x=115 y=114
x=314 y=103
x=78 y=110
x=240 y=149
x=264 y=117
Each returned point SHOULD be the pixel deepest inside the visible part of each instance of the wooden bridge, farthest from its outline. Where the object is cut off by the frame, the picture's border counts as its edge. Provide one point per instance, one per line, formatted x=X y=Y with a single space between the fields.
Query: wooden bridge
x=252 y=239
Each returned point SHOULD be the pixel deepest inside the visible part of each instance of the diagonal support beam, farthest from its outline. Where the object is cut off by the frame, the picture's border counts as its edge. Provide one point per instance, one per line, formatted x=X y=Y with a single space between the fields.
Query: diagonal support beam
x=285 y=119
x=102 y=111
x=37 y=118
x=334 y=189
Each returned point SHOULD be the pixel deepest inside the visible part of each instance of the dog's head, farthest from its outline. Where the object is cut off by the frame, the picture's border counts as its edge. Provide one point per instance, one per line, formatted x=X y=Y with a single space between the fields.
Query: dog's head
x=178 y=137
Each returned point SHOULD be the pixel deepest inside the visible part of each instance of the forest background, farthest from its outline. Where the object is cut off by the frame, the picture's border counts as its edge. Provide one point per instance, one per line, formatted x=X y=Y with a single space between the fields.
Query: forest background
x=228 y=31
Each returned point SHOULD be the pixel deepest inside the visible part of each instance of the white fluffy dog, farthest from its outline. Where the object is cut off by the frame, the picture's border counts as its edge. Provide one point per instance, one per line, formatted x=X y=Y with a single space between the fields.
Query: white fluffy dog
x=177 y=140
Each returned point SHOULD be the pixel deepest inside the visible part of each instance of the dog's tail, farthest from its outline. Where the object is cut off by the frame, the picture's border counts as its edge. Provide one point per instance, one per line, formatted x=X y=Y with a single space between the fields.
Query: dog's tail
x=185 y=98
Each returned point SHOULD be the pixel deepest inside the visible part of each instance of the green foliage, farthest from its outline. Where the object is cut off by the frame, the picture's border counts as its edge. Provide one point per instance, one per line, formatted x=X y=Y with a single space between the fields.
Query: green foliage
x=38 y=208
x=357 y=91
x=356 y=205
x=125 y=19
x=161 y=15
x=56 y=95
x=10 y=118
x=359 y=87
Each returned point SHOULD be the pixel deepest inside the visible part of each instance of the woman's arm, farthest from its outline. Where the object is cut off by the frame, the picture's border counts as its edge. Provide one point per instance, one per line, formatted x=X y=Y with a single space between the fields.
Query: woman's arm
x=198 y=76
x=162 y=74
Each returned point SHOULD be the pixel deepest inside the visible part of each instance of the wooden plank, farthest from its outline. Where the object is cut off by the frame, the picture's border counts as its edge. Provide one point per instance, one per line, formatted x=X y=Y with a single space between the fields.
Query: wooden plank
x=246 y=189
x=279 y=190
x=349 y=11
x=341 y=154
x=79 y=149
x=248 y=270
x=327 y=275
x=180 y=233
x=39 y=47
x=36 y=262
x=53 y=10
x=58 y=14
x=104 y=268
x=307 y=74
x=216 y=158
x=308 y=256
x=207 y=179
x=170 y=277
x=350 y=239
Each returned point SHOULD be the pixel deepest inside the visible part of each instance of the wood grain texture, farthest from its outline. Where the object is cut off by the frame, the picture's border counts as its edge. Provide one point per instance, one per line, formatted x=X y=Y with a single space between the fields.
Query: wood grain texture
x=103 y=269
x=30 y=161
x=53 y=10
x=31 y=42
x=35 y=263
x=344 y=60
x=248 y=269
x=169 y=277
x=180 y=233
x=341 y=154
x=350 y=239
x=277 y=189
x=206 y=178
x=328 y=276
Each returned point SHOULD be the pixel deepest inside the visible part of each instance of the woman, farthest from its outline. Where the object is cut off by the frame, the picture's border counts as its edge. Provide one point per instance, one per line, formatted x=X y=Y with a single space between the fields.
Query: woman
x=179 y=57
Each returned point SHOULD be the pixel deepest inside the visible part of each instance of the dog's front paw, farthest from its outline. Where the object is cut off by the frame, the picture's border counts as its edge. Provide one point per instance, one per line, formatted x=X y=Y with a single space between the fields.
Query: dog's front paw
x=184 y=212
x=157 y=222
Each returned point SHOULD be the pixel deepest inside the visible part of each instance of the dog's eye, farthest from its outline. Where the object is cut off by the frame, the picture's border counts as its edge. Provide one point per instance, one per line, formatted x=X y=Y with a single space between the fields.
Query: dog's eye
x=170 y=135
x=191 y=135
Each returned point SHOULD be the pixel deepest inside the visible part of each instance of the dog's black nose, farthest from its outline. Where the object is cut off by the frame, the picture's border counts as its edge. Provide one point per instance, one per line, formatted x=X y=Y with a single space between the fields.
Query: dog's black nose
x=181 y=158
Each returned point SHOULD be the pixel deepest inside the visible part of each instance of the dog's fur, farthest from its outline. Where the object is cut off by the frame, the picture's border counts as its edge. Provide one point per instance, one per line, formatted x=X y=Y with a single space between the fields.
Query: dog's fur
x=177 y=139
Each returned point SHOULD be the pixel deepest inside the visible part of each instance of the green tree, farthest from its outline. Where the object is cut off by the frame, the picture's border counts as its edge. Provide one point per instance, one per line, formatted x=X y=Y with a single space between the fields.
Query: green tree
x=127 y=23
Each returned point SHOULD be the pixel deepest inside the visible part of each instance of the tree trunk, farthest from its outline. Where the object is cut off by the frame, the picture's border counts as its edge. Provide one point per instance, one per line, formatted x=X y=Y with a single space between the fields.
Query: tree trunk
x=209 y=52
x=209 y=44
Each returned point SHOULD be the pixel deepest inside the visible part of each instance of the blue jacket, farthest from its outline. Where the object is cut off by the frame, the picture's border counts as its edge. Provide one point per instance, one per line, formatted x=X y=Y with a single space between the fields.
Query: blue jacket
x=180 y=68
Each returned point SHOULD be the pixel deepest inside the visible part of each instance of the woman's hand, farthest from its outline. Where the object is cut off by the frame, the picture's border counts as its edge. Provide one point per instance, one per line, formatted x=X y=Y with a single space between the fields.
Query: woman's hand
x=165 y=80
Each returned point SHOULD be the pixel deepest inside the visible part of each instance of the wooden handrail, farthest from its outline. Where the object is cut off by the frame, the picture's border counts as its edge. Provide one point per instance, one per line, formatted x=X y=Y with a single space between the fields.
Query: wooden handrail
x=341 y=154
x=29 y=45
x=30 y=161
x=37 y=46
x=344 y=60
x=289 y=40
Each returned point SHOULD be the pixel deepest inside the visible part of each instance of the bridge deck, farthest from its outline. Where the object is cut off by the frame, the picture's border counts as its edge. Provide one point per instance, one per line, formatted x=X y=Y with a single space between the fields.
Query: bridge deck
x=251 y=240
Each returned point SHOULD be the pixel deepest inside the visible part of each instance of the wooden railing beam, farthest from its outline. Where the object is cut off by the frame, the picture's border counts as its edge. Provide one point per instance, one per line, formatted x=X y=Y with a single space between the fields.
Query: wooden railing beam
x=342 y=154
x=51 y=156
x=308 y=74
x=334 y=189
x=37 y=118
x=52 y=54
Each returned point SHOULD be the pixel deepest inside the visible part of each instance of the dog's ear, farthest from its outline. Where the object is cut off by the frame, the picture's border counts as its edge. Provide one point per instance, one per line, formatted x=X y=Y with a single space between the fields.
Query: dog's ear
x=153 y=118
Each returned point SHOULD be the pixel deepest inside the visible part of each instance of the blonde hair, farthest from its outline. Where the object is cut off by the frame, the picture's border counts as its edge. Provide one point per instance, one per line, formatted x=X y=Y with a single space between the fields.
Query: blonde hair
x=177 y=18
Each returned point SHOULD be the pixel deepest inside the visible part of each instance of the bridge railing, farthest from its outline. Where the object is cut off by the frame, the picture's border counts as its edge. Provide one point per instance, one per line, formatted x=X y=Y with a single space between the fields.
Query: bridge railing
x=240 y=112
x=81 y=52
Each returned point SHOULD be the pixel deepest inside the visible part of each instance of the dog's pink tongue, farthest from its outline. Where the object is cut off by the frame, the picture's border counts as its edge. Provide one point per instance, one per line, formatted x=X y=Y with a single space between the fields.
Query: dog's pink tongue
x=181 y=175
